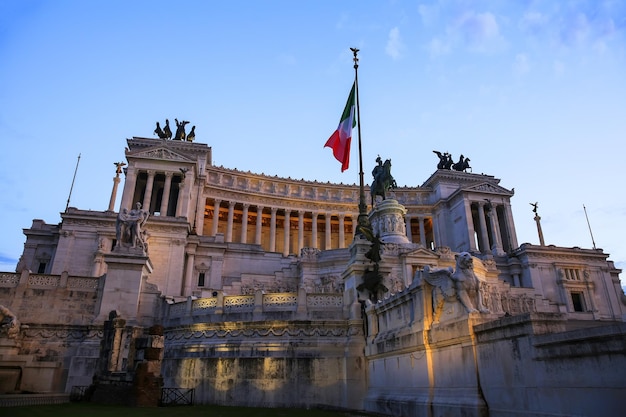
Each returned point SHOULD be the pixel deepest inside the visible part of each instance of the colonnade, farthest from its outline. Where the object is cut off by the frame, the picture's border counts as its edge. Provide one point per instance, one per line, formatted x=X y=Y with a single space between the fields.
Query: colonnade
x=279 y=229
x=492 y=227
x=288 y=230
x=160 y=192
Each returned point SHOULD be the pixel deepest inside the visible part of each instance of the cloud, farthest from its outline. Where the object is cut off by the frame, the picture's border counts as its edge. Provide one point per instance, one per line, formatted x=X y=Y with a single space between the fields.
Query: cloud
x=394 y=46
x=575 y=30
x=521 y=65
x=558 y=67
x=438 y=47
x=477 y=29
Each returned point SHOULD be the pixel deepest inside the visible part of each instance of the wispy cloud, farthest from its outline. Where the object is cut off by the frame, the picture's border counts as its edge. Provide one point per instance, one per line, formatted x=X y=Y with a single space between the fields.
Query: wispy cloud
x=521 y=65
x=394 y=46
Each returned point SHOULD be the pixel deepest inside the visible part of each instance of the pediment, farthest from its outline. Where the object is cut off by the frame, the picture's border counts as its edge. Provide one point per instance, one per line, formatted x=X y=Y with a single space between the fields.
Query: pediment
x=424 y=254
x=488 y=188
x=160 y=153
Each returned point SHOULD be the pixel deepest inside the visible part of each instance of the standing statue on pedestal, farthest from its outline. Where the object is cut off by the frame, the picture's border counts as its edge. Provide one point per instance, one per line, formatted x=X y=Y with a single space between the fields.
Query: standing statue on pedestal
x=383 y=181
x=128 y=227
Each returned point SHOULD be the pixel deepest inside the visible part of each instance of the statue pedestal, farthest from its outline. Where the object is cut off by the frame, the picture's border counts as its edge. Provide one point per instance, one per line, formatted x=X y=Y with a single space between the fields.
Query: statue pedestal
x=387 y=220
x=122 y=284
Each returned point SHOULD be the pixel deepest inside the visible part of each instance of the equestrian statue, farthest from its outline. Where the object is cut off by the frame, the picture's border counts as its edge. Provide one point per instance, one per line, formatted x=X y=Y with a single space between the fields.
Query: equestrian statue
x=383 y=181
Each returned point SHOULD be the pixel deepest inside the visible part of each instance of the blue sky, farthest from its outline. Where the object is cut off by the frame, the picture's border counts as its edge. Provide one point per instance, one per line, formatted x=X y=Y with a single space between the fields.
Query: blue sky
x=533 y=92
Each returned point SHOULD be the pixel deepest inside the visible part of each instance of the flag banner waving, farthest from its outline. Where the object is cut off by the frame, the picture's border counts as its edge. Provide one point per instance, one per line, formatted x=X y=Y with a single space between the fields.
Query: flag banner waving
x=339 y=141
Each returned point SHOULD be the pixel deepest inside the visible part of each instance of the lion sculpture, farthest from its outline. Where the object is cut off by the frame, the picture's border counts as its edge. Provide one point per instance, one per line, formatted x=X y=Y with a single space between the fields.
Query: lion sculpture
x=459 y=284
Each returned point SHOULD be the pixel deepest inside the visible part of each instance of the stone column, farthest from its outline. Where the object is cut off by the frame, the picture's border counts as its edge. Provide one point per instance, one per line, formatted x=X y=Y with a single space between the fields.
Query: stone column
x=179 y=203
x=300 y=231
x=484 y=236
x=314 y=229
x=229 y=225
x=200 y=203
x=327 y=235
x=287 y=229
x=496 y=246
x=116 y=182
x=355 y=219
x=216 y=216
x=342 y=234
x=147 y=197
x=471 y=240
x=273 y=230
x=166 y=194
x=129 y=188
x=244 y=223
x=422 y=231
x=259 y=225
x=409 y=232
x=191 y=256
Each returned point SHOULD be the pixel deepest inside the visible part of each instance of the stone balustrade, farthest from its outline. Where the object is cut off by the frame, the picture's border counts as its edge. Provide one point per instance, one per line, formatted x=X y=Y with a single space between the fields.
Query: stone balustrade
x=46 y=281
x=259 y=304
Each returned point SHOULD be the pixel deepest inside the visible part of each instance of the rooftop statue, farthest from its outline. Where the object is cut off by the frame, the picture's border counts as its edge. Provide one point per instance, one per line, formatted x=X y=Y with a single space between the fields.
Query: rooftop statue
x=445 y=160
x=180 y=130
x=462 y=165
x=192 y=135
x=166 y=132
x=383 y=180
x=128 y=227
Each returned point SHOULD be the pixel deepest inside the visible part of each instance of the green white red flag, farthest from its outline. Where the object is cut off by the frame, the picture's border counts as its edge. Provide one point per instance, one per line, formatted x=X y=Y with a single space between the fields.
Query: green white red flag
x=339 y=141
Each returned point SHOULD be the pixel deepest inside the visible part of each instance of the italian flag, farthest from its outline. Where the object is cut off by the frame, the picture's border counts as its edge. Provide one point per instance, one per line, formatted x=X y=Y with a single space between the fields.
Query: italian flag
x=339 y=141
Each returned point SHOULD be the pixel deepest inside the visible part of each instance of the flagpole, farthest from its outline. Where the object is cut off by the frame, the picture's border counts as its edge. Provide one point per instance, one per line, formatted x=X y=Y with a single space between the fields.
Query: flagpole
x=363 y=220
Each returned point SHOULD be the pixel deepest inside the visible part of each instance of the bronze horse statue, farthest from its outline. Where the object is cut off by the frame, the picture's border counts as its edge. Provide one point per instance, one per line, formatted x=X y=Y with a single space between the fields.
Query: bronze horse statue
x=383 y=180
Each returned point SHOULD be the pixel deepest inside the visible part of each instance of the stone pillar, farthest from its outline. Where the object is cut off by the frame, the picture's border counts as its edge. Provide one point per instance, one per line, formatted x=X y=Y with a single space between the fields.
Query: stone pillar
x=126 y=268
x=186 y=287
x=180 y=210
x=409 y=232
x=129 y=188
x=166 y=194
x=422 y=231
x=116 y=182
x=327 y=235
x=342 y=234
x=484 y=236
x=259 y=225
x=287 y=229
x=389 y=216
x=147 y=197
x=300 y=231
x=273 y=230
x=314 y=229
x=471 y=239
x=229 y=224
x=244 y=224
x=216 y=216
x=354 y=224
x=496 y=246
x=200 y=203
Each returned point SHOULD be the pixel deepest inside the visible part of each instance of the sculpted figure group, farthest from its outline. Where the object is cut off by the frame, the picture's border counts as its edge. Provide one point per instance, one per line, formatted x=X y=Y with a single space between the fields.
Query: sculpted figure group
x=460 y=284
x=9 y=321
x=166 y=132
x=129 y=228
x=446 y=162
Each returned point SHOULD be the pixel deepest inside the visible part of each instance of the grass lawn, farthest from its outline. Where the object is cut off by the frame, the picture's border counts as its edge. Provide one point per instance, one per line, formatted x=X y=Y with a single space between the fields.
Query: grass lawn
x=97 y=410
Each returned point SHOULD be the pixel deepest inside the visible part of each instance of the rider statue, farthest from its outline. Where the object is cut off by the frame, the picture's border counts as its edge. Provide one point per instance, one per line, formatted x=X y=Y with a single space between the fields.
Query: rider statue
x=378 y=169
x=383 y=180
